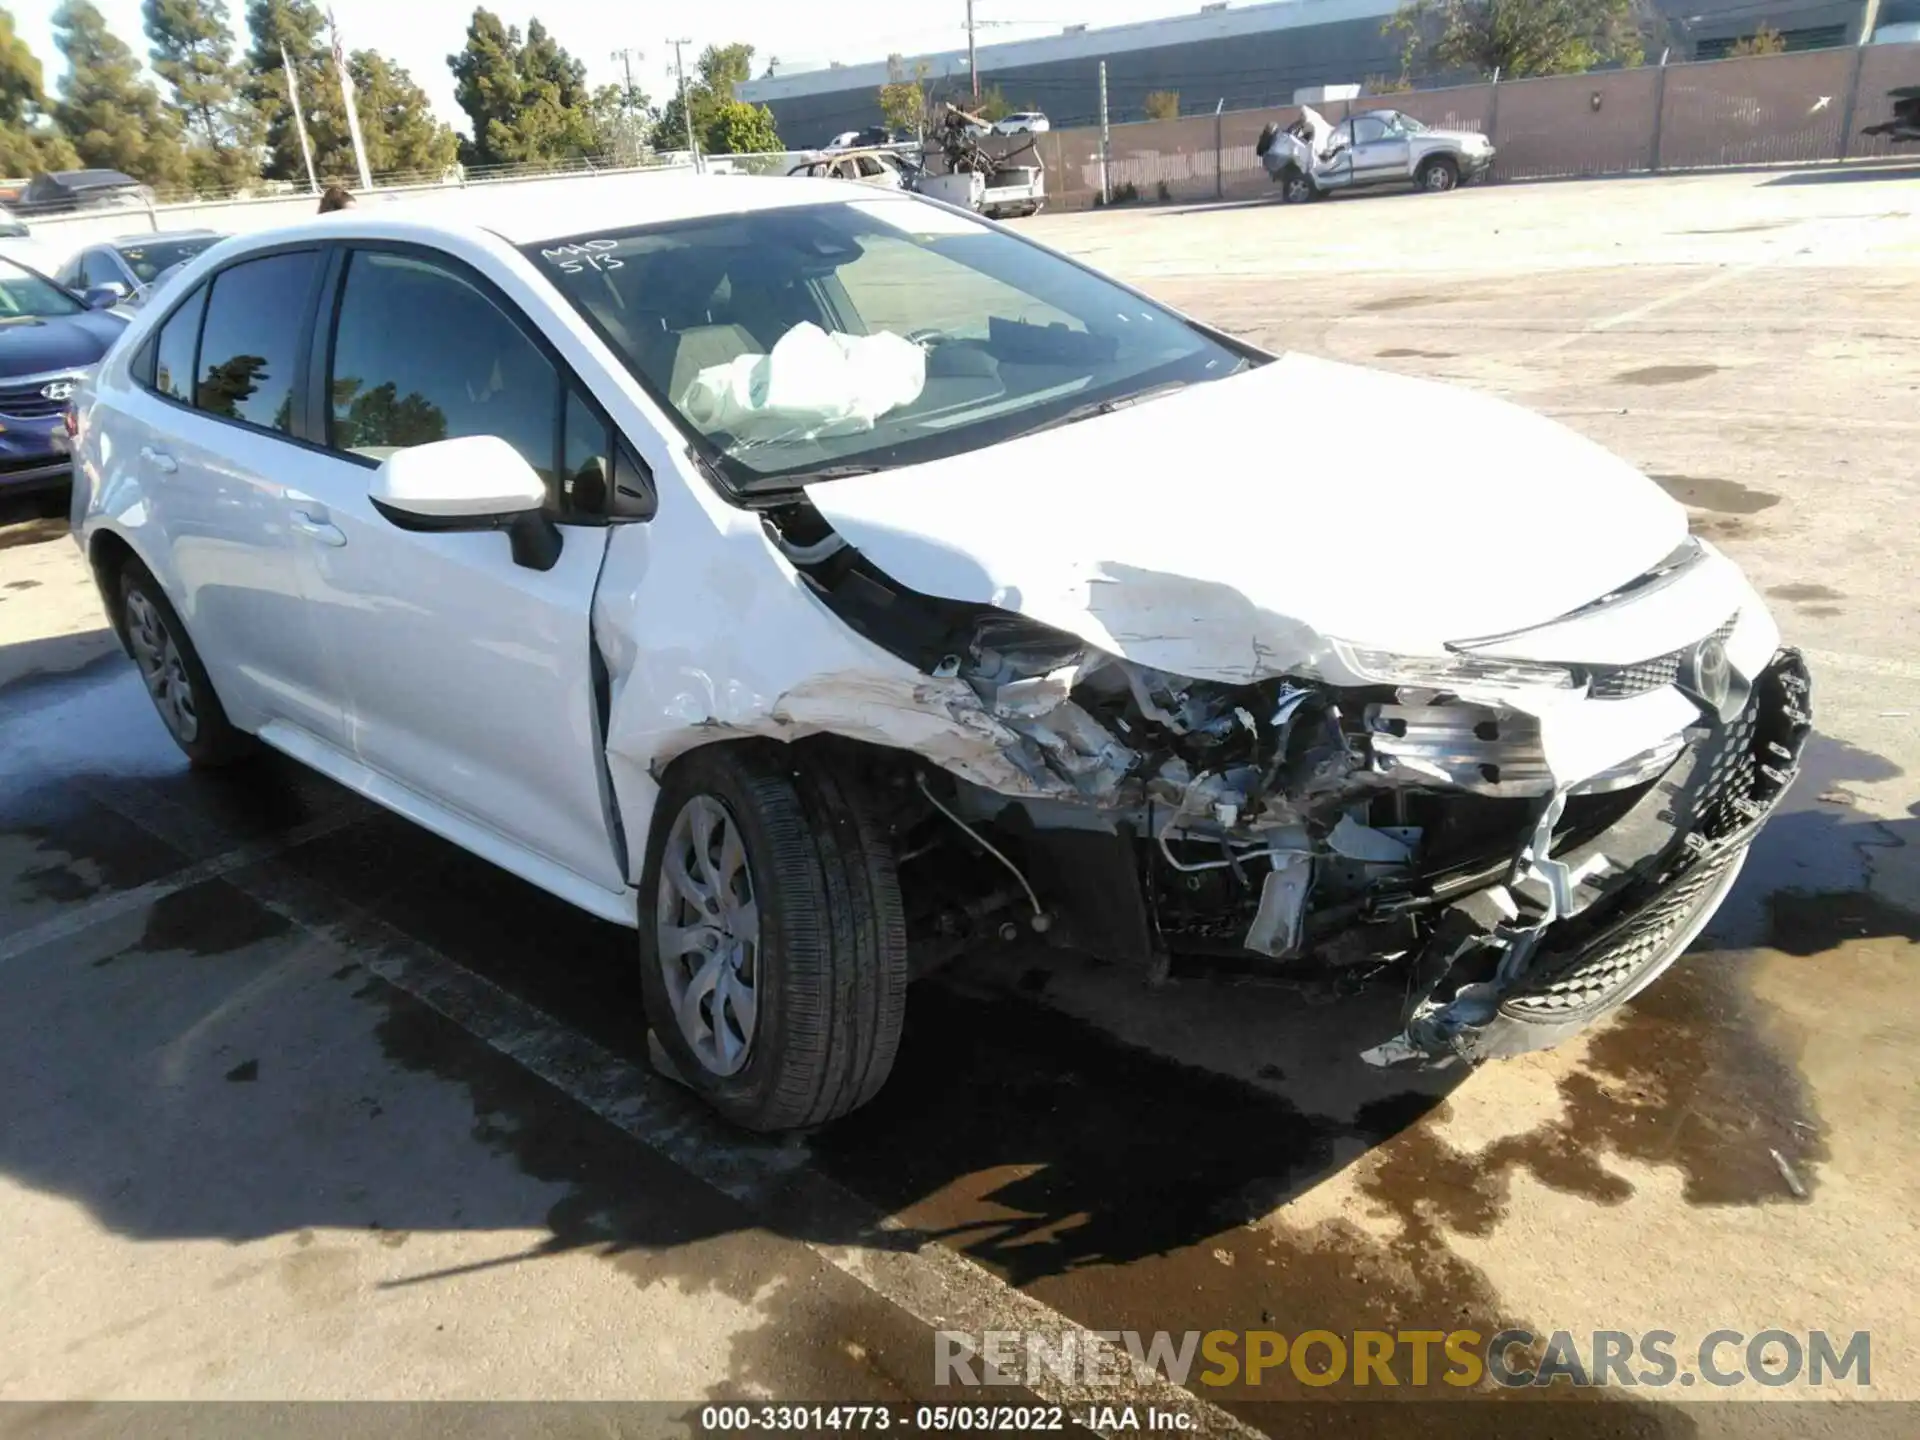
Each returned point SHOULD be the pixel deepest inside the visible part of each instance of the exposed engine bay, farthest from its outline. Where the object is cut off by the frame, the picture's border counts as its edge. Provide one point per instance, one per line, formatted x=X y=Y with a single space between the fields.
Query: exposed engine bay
x=1296 y=821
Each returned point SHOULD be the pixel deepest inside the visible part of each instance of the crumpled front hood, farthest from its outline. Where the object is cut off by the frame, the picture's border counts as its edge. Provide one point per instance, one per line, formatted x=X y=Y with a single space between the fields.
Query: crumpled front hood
x=1229 y=531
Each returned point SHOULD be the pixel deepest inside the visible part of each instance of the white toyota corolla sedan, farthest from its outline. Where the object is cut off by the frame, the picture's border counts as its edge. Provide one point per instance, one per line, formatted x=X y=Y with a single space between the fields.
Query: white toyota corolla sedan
x=826 y=584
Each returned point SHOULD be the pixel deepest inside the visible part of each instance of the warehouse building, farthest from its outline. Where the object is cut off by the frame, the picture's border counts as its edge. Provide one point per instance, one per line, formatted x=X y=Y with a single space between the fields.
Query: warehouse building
x=1245 y=55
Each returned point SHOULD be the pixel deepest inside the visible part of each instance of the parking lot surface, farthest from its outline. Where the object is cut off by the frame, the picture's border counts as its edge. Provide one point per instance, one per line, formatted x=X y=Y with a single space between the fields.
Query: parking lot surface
x=303 y=1102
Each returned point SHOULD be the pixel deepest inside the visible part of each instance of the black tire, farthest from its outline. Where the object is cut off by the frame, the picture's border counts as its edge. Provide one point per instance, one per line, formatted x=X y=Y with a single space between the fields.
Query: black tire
x=1296 y=188
x=1439 y=174
x=212 y=741
x=830 y=957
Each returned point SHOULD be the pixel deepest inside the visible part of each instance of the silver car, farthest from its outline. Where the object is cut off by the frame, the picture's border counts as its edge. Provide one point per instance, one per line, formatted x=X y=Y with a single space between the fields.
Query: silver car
x=133 y=265
x=1378 y=147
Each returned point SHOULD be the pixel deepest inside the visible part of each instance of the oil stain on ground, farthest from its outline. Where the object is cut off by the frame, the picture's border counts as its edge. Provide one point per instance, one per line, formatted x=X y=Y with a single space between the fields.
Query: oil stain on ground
x=1403 y=354
x=1804 y=592
x=1703 y=492
x=1665 y=374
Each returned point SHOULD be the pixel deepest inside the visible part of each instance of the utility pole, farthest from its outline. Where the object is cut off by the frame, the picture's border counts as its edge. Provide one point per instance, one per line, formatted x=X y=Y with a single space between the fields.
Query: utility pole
x=299 y=121
x=973 y=53
x=627 y=150
x=1869 y=18
x=686 y=113
x=346 y=97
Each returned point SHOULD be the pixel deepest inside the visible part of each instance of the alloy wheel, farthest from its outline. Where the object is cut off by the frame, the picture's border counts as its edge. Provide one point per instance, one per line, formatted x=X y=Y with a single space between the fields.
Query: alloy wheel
x=162 y=667
x=708 y=924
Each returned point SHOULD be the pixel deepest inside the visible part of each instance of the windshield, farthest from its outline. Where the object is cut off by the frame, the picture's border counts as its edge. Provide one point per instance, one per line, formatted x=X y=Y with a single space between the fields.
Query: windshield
x=149 y=259
x=25 y=295
x=807 y=342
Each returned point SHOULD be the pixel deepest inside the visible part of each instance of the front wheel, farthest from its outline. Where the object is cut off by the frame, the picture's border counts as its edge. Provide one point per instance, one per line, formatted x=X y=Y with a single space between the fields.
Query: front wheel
x=772 y=940
x=1439 y=175
x=1296 y=188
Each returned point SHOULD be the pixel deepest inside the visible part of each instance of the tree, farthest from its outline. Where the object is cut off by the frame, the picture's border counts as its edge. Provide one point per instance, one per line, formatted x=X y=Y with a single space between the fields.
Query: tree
x=113 y=116
x=29 y=143
x=992 y=105
x=1163 y=105
x=738 y=128
x=192 y=50
x=622 y=120
x=526 y=99
x=296 y=26
x=1518 y=38
x=1764 y=41
x=903 y=99
x=402 y=134
x=720 y=69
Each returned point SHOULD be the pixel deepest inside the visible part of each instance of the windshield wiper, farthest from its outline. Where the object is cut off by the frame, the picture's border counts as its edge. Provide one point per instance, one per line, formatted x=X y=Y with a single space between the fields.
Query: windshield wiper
x=1095 y=408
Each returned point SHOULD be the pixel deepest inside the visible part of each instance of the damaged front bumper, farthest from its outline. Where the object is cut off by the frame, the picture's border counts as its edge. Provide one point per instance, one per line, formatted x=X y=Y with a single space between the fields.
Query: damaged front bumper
x=1503 y=973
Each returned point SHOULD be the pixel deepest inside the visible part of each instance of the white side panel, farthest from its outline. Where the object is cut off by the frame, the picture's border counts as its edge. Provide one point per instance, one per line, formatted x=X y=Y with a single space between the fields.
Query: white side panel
x=617 y=906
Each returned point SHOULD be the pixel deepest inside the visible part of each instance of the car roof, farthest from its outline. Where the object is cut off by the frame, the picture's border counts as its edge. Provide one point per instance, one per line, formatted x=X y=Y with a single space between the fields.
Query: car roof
x=120 y=241
x=568 y=209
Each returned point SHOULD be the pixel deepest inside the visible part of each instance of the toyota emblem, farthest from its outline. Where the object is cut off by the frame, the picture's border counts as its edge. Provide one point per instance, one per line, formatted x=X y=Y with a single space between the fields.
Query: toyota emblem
x=58 y=390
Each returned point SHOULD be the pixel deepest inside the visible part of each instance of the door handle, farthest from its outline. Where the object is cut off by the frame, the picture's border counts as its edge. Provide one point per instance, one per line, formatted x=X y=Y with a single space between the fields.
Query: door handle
x=159 y=459
x=320 y=530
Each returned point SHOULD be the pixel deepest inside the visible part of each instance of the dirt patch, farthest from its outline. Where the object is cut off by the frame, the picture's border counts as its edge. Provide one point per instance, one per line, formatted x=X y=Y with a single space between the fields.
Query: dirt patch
x=1804 y=592
x=1665 y=374
x=1398 y=354
x=1400 y=302
x=1704 y=492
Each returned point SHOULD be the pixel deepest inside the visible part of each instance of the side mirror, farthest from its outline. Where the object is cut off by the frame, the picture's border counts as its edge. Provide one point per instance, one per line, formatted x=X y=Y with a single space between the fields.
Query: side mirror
x=478 y=482
x=105 y=297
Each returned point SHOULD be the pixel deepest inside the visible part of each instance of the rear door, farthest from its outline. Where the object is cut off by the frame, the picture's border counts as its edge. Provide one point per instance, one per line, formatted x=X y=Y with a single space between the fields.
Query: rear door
x=470 y=679
x=212 y=419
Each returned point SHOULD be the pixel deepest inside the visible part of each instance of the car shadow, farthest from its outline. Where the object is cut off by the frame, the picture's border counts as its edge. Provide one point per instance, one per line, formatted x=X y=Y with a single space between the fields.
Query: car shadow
x=207 y=1065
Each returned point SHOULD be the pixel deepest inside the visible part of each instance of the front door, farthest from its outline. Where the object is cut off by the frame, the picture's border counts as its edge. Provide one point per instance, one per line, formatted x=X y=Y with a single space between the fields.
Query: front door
x=469 y=678
x=1381 y=153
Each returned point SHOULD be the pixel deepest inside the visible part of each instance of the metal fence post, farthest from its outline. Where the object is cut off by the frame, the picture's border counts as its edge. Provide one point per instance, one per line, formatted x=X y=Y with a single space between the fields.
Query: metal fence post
x=1659 y=115
x=1493 y=110
x=1219 y=150
x=1106 y=143
x=1853 y=101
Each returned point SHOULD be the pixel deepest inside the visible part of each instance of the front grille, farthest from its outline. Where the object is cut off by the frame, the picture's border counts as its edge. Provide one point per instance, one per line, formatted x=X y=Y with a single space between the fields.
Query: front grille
x=25 y=402
x=1592 y=976
x=1747 y=774
x=1623 y=682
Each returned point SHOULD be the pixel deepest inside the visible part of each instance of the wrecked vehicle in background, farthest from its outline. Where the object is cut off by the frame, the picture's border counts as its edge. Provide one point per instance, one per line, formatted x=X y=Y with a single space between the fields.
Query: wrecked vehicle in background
x=1313 y=157
x=845 y=583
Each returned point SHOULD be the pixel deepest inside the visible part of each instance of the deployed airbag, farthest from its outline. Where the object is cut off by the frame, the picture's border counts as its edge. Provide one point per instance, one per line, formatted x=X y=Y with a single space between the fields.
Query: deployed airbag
x=813 y=384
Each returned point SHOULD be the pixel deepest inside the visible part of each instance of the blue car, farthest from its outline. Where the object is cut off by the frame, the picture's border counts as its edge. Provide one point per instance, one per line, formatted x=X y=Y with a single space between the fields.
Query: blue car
x=50 y=340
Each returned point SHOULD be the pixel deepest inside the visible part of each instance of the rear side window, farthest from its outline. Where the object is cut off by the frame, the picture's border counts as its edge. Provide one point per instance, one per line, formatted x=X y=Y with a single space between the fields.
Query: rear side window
x=174 y=346
x=252 y=333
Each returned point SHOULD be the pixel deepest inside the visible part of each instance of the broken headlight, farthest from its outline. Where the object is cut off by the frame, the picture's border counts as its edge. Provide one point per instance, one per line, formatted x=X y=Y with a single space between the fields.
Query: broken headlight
x=1454 y=672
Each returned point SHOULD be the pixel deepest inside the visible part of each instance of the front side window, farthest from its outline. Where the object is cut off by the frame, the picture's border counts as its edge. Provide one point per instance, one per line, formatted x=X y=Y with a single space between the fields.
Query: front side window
x=800 y=343
x=1369 y=128
x=248 y=345
x=457 y=366
x=25 y=295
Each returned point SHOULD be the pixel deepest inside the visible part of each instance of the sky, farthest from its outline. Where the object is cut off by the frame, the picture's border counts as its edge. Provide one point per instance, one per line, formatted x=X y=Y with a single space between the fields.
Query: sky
x=420 y=34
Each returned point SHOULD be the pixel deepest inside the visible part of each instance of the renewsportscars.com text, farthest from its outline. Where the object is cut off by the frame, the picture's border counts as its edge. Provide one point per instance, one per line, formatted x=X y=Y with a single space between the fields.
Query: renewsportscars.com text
x=1461 y=1359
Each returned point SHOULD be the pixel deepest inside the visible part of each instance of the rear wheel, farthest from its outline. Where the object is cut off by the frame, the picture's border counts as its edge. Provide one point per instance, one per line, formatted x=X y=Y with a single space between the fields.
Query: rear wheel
x=772 y=941
x=1439 y=174
x=176 y=681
